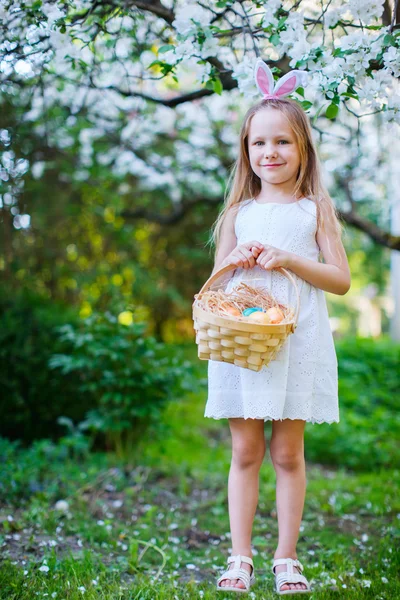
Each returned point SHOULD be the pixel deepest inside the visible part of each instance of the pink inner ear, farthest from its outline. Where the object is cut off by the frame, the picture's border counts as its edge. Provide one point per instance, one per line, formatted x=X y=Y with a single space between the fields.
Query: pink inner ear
x=263 y=80
x=287 y=87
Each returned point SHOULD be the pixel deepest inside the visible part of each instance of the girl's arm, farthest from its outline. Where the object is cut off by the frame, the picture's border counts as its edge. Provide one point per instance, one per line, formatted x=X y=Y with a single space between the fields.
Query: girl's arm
x=329 y=277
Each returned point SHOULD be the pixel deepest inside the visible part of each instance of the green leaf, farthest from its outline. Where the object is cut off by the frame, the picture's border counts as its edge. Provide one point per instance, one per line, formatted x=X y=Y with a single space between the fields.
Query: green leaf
x=274 y=39
x=300 y=90
x=217 y=86
x=220 y=31
x=332 y=111
x=350 y=95
x=306 y=104
x=281 y=22
x=389 y=39
x=321 y=108
x=209 y=84
x=165 y=48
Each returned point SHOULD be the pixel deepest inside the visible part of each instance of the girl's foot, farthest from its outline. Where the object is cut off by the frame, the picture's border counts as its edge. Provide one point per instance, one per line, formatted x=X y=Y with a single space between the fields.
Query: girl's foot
x=289 y=586
x=237 y=582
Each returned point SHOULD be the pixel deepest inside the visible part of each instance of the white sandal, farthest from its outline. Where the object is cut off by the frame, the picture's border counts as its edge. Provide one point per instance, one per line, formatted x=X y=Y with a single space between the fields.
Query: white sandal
x=289 y=576
x=237 y=573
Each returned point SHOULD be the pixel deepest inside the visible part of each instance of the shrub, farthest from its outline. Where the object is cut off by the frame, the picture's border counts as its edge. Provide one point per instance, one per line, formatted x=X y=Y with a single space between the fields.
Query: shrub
x=32 y=396
x=367 y=434
x=128 y=376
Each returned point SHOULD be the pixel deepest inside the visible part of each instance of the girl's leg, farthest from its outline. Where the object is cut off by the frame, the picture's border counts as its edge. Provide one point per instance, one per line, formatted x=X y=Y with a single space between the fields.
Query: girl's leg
x=287 y=454
x=248 y=450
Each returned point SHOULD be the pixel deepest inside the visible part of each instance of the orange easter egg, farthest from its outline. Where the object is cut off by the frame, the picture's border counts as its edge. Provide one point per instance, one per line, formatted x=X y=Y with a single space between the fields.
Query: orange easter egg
x=232 y=311
x=275 y=315
x=259 y=317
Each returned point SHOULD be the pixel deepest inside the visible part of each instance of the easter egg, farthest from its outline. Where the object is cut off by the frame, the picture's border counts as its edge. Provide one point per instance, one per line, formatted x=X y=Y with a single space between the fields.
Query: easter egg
x=232 y=310
x=259 y=317
x=249 y=311
x=275 y=315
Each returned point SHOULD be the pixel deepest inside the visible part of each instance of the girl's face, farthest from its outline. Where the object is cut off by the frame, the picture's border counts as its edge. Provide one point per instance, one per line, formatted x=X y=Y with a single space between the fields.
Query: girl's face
x=271 y=142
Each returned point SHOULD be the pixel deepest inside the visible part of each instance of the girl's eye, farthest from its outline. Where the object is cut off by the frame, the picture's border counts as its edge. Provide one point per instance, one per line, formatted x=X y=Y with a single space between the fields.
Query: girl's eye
x=285 y=141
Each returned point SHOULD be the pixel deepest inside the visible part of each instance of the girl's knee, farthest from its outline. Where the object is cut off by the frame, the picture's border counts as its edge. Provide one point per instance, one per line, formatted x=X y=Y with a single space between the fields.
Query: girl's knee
x=287 y=459
x=248 y=442
x=247 y=454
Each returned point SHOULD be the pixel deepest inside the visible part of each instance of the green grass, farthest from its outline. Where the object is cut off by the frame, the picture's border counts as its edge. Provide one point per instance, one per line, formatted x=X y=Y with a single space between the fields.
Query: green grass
x=158 y=528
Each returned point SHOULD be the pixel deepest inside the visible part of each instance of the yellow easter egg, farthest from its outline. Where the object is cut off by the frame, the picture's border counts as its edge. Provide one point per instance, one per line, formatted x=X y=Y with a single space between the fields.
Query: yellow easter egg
x=259 y=317
x=275 y=315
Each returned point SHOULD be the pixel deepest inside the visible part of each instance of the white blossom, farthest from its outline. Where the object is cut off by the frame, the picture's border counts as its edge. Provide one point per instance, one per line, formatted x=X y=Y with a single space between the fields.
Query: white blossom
x=52 y=12
x=271 y=7
x=365 y=10
x=184 y=16
x=391 y=59
x=331 y=17
x=244 y=74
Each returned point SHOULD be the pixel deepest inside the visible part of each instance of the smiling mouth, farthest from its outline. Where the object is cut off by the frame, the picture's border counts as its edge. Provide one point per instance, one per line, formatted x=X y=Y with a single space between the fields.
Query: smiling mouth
x=272 y=165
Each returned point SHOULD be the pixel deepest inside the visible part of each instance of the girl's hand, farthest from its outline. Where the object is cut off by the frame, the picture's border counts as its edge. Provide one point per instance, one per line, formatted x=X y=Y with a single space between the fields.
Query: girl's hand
x=271 y=257
x=244 y=255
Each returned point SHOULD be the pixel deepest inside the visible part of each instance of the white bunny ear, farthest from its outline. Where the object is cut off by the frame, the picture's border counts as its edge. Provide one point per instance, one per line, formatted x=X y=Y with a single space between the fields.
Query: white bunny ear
x=289 y=83
x=263 y=76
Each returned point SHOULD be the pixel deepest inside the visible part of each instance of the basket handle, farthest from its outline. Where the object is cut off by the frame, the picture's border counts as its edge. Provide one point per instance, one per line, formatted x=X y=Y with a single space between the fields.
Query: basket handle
x=284 y=271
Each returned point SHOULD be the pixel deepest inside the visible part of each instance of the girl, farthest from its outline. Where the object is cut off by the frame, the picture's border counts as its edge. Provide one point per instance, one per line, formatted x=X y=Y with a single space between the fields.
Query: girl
x=277 y=214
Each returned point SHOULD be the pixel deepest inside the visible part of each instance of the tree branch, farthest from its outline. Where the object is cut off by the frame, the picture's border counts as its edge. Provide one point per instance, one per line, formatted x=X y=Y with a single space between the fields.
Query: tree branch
x=178 y=212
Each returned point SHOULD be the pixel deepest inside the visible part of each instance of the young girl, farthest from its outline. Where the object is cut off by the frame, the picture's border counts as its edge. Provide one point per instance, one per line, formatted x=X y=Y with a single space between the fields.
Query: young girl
x=278 y=214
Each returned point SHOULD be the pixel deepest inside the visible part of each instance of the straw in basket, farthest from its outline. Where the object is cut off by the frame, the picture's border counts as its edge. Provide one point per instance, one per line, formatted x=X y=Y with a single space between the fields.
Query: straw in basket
x=233 y=340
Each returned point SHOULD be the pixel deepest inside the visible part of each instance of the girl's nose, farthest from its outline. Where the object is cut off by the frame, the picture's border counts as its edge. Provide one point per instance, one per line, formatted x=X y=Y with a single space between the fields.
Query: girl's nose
x=270 y=153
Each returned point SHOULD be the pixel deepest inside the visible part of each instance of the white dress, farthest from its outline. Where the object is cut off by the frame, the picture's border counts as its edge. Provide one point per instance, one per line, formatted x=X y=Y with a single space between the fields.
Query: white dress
x=302 y=381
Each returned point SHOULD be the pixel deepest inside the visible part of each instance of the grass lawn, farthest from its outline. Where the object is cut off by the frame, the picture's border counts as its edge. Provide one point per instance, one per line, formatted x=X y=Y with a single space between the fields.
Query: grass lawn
x=158 y=528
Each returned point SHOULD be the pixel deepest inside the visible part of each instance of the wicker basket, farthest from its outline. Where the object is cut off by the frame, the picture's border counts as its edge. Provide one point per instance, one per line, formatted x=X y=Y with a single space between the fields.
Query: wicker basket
x=228 y=339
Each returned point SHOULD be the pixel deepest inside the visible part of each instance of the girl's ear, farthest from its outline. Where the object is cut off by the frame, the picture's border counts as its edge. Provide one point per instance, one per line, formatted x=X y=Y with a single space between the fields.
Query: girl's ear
x=264 y=78
x=288 y=83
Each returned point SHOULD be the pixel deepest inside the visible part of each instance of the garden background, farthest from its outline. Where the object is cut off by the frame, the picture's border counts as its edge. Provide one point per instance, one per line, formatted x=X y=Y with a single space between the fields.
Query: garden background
x=119 y=124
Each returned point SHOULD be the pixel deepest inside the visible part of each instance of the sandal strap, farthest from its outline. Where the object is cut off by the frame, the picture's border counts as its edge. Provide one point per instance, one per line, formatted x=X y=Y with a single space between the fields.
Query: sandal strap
x=290 y=562
x=283 y=578
x=241 y=574
x=239 y=558
x=237 y=572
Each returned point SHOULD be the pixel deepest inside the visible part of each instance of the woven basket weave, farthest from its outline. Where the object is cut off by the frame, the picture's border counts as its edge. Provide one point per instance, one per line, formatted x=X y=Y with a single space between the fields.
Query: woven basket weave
x=226 y=339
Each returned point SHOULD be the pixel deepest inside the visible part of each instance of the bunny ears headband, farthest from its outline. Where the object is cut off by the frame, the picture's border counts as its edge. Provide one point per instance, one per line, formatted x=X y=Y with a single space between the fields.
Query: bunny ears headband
x=285 y=86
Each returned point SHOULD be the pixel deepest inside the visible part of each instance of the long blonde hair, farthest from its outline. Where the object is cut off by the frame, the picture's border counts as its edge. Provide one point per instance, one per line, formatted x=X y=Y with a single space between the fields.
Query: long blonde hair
x=244 y=184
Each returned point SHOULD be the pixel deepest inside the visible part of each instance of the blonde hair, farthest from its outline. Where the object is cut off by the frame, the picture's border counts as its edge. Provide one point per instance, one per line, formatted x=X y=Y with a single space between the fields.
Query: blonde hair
x=244 y=184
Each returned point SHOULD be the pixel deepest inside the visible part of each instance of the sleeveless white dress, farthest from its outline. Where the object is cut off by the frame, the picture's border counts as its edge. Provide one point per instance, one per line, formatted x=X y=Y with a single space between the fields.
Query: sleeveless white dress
x=302 y=381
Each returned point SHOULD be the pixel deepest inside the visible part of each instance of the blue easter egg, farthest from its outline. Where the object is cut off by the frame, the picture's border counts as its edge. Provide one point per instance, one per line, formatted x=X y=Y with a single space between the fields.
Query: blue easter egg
x=251 y=310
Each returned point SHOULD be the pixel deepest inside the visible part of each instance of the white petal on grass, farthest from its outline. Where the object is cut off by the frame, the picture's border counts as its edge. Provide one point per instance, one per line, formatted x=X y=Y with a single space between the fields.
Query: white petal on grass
x=44 y=569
